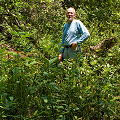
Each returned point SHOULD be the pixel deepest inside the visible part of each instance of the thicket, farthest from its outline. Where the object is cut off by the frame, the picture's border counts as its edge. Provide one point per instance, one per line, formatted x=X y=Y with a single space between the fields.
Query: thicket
x=38 y=86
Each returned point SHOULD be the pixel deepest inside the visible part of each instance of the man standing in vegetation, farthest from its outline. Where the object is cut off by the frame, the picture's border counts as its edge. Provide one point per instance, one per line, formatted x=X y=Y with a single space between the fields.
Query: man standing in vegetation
x=74 y=33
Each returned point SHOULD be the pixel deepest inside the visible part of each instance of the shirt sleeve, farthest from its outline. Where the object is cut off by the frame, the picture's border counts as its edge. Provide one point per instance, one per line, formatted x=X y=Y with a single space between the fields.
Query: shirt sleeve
x=84 y=34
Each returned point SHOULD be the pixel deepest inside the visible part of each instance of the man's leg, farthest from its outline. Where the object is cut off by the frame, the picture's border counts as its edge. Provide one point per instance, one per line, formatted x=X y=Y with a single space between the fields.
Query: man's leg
x=72 y=53
x=65 y=53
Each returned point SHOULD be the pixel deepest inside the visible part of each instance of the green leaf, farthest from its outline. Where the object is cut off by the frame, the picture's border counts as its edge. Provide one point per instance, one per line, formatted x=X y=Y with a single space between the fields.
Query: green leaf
x=12 y=53
x=45 y=73
x=76 y=108
x=56 y=49
x=45 y=99
x=4 y=116
x=21 y=33
x=93 y=62
x=60 y=100
x=52 y=60
x=32 y=63
x=3 y=94
x=60 y=107
x=28 y=62
x=28 y=35
x=1 y=106
x=35 y=112
x=61 y=116
x=115 y=98
x=53 y=85
x=11 y=98
x=13 y=32
x=2 y=50
x=81 y=97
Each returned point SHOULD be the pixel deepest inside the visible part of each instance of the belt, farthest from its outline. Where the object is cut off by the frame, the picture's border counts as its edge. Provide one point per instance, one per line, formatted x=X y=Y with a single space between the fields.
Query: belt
x=67 y=46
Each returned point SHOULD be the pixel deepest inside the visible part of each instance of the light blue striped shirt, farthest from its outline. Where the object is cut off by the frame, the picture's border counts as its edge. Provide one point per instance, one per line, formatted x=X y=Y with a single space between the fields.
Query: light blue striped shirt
x=75 y=32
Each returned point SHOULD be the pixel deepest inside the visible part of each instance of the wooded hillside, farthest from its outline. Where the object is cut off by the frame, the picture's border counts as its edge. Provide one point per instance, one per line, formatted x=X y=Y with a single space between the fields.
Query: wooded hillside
x=34 y=85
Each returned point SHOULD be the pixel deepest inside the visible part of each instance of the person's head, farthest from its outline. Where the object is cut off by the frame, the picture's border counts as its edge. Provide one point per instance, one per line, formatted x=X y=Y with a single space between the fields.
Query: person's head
x=70 y=14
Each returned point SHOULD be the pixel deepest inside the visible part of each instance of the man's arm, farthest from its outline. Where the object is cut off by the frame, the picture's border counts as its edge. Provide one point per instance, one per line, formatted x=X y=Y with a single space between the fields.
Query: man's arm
x=74 y=45
x=60 y=56
x=84 y=33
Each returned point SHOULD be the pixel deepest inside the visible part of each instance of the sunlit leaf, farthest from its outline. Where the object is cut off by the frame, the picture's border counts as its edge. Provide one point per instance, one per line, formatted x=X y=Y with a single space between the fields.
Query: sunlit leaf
x=34 y=62
x=45 y=73
x=2 y=50
x=93 y=62
x=60 y=101
x=21 y=33
x=35 y=113
x=60 y=107
x=115 y=98
x=4 y=116
x=11 y=98
x=1 y=106
x=52 y=60
x=45 y=99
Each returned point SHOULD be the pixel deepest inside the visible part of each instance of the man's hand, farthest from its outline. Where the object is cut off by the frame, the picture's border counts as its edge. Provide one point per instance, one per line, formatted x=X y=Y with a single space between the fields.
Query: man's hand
x=73 y=46
x=60 y=56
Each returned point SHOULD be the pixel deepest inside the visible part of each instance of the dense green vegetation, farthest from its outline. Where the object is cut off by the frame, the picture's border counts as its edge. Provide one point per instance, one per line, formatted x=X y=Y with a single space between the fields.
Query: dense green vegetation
x=38 y=87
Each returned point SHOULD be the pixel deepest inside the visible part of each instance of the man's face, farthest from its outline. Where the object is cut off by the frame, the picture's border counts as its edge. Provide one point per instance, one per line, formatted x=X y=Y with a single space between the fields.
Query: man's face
x=70 y=14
